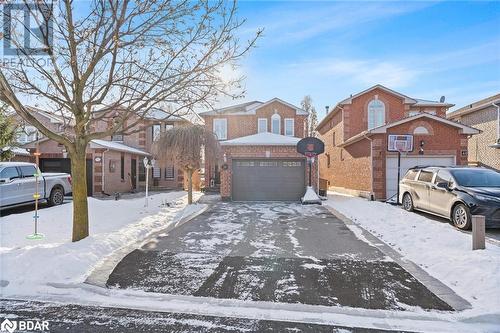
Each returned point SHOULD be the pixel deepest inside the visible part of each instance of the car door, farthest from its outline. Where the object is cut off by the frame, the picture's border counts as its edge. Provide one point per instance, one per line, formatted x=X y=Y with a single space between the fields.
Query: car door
x=28 y=183
x=10 y=190
x=422 y=189
x=441 y=199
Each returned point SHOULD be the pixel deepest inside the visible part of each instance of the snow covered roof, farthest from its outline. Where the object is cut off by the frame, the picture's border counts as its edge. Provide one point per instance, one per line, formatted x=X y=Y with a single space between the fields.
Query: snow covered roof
x=262 y=139
x=188 y=115
x=118 y=146
x=250 y=108
x=17 y=151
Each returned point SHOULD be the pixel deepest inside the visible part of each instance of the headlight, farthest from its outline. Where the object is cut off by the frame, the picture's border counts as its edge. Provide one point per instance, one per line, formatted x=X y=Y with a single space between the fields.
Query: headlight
x=487 y=198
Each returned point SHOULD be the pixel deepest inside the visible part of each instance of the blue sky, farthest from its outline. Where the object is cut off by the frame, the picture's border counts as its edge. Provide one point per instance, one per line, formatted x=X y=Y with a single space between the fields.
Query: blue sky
x=332 y=49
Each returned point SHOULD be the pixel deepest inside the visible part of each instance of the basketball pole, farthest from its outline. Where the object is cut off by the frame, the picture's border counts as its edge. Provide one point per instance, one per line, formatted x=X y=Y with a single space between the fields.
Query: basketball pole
x=399 y=174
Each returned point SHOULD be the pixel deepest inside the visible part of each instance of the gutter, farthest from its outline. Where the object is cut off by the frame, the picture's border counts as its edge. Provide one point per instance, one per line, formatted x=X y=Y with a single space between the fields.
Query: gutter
x=497 y=143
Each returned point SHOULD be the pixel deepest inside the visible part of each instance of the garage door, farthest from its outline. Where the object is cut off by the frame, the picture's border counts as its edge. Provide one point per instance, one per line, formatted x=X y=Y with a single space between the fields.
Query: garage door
x=266 y=179
x=64 y=165
x=391 y=168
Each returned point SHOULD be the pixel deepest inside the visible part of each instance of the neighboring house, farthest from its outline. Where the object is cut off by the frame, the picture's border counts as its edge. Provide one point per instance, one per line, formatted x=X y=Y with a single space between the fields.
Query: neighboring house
x=259 y=159
x=114 y=163
x=484 y=148
x=356 y=131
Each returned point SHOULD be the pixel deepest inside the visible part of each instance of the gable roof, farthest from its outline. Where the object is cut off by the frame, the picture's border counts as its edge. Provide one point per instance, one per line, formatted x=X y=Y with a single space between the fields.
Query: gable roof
x=262 y=139
x=407 y=100
x=475 y=106
x=383 y=129
x=250 y=108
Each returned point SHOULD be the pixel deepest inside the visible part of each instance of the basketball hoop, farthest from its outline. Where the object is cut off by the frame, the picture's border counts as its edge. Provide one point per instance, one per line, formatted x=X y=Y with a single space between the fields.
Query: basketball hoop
x=401 y=146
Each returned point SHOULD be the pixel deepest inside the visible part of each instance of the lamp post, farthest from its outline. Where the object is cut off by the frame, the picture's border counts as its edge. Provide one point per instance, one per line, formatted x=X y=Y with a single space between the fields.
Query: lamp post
x=148 y=164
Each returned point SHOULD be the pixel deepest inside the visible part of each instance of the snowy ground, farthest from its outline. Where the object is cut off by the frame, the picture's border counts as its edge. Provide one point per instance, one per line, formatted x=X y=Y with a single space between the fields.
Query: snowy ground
x=445 y=253
x=27 y=266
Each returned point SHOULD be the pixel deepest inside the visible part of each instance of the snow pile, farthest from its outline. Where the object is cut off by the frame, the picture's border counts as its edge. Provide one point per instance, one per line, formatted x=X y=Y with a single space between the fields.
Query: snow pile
x=311 y=197
x=27 y=265
x=438 y=248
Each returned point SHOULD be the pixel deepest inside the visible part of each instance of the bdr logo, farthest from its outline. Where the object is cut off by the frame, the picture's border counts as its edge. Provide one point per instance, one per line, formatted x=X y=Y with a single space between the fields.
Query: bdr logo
x=24 y=325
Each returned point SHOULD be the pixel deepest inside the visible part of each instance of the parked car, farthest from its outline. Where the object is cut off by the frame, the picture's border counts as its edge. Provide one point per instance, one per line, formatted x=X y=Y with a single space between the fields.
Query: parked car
x=455 y=193
x=18 y=185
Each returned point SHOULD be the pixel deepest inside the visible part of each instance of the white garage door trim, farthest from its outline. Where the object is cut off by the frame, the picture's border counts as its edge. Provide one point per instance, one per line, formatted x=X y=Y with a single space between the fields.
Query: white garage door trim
x=391 y=167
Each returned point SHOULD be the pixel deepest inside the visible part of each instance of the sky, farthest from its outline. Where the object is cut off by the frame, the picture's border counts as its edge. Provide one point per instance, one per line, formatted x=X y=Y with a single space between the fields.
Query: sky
x=331 y=49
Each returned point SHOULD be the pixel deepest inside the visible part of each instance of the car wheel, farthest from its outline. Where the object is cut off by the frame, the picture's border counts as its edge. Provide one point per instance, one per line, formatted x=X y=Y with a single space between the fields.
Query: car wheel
x=407 y=202
x=460 y=217
x=56 y=197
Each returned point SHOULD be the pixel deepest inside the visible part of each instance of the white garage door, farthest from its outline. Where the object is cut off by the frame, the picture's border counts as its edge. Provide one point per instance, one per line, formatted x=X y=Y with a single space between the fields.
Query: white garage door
x=391 y=168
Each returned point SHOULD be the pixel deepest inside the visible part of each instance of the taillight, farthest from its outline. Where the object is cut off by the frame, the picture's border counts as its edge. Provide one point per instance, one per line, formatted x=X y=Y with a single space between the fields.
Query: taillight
x=69 y=180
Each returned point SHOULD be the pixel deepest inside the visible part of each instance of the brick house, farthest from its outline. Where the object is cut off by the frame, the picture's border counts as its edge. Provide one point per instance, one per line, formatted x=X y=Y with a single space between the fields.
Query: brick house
x=114 y=163
x=356 y=131
x=484 y=148
x=259 y=160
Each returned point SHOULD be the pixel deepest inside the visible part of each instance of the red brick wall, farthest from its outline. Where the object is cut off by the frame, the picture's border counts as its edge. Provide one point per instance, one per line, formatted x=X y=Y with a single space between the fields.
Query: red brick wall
x=243 y=125
x=257 y=152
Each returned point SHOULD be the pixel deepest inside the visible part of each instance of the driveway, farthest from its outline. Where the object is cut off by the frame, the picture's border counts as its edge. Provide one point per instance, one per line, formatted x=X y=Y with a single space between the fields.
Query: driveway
x=276 y=252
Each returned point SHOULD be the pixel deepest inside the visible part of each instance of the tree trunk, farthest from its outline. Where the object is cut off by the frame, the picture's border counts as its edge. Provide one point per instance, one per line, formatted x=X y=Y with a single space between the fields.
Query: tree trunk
x=79 y=185
x=190 y=185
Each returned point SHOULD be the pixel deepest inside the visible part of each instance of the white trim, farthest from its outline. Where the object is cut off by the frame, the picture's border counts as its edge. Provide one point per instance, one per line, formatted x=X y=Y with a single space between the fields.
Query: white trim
x=221 y=120
x=293 y=126
x=465 y=129
x=258 y=125
x=273 y=118
x=407 y=100
x=298 y=110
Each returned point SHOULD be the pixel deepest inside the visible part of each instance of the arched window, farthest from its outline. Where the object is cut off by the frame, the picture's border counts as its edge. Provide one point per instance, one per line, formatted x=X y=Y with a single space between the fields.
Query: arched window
x=376 y=113
x=276 y=124
x=420 y=130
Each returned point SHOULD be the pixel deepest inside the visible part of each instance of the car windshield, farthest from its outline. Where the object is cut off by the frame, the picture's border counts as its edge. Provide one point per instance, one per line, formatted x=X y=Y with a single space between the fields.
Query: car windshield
x=477 y=178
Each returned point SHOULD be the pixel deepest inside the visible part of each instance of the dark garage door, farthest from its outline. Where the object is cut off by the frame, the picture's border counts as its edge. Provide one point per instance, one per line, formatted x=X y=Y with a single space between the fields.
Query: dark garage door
x=64 y=165
x=268 y=179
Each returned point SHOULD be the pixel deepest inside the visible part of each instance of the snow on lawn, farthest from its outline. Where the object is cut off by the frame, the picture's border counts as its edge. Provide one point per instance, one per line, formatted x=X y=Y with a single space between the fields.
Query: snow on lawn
x=438 y=248
x=27 y=265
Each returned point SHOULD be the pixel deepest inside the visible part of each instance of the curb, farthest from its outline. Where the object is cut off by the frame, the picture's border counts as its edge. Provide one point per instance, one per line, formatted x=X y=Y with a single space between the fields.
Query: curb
x=437 y=287
x=100 y=274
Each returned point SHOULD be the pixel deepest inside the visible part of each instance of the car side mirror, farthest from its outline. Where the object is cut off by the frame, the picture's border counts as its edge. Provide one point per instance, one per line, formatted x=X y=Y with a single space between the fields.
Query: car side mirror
x=444 y=185
x=5 y=180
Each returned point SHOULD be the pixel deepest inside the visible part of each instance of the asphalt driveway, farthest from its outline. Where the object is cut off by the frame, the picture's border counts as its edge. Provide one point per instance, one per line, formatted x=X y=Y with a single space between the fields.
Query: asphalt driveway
x=277 y=252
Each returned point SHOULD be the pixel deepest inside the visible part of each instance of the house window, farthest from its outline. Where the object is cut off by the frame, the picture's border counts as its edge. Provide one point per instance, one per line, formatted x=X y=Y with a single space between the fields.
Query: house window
x=169 y=172
x=262 y=125
x=220 y=128
x=156 y=131
x=276 y=124
x=376 y=113
x=28 y=134
x=420 y=130
x=122 y=167
x=328 y=161
x=334 y=141
x=289 y=126
x=118 y=135
x=156 y=172
x=142 y=172
x=168 y=127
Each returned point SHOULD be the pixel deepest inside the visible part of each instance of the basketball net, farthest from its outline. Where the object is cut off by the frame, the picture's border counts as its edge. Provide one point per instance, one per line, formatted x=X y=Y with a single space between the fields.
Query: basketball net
x=401 y=146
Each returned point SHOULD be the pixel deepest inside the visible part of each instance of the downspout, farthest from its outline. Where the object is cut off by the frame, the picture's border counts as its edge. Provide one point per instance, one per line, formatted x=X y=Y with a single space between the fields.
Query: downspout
x=372 y=195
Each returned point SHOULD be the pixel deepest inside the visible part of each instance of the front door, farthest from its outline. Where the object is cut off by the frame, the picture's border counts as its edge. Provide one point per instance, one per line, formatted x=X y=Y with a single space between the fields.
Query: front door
x=133 y=173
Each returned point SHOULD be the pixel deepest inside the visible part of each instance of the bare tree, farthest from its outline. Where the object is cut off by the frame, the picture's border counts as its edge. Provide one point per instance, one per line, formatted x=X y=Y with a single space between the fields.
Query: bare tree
x=313 y=116
x=122 y=58
x=184 y=145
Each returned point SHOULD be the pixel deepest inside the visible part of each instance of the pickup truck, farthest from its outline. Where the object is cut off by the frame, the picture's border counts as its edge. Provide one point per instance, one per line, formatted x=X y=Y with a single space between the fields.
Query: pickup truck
x=18 y=185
